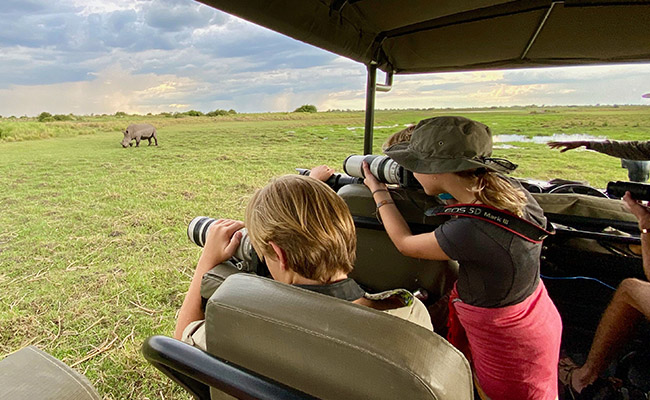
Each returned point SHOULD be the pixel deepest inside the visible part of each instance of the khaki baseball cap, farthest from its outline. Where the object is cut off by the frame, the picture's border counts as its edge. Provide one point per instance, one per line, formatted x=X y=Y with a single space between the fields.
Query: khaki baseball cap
x=448 y=144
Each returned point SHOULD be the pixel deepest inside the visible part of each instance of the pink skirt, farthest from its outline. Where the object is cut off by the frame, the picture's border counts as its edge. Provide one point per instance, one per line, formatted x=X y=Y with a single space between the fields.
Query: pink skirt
x=515 y=349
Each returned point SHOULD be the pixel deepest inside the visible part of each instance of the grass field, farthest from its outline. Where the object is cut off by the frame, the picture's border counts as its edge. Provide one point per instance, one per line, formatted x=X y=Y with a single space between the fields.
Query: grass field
x=93 y=252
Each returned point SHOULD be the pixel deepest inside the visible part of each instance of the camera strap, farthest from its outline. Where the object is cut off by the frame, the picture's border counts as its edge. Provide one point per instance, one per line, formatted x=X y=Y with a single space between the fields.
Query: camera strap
x=501 y=218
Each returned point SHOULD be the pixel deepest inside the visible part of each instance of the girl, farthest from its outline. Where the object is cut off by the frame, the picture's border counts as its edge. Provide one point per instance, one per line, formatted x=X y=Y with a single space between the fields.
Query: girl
x=512 y=327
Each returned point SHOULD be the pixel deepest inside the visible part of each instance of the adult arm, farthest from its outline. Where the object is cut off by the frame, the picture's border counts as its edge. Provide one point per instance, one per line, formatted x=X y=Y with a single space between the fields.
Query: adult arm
x=424 y=245
x=642 y=214
x=221 y=244
x=565 y=146
x=631 y=150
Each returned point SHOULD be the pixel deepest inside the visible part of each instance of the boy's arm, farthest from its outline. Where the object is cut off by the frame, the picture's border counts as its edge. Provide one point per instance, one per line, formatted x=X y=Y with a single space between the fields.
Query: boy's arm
x=221 y=243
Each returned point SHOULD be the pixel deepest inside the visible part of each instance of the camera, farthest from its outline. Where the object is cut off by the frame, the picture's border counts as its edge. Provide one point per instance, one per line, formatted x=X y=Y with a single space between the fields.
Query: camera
x=384 y=168
x=639 y=191
x=336 y=181
x=245 y=257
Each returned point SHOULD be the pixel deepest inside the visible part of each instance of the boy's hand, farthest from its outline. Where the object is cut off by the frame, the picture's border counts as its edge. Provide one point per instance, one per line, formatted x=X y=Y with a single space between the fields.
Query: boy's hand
x=221 y=243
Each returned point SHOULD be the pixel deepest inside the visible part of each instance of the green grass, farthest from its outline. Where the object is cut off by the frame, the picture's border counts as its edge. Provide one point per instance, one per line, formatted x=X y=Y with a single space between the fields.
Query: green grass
x=93 y=252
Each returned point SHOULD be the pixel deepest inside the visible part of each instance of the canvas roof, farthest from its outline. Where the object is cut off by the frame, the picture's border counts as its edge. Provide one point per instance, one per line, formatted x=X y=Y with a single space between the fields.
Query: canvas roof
x=417 y=36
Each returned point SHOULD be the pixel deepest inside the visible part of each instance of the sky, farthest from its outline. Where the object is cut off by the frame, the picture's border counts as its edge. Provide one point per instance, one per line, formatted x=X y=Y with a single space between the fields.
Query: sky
x=150 y=56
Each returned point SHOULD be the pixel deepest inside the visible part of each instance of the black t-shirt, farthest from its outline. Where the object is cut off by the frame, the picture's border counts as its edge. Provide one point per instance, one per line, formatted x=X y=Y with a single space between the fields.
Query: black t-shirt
x=497 y=267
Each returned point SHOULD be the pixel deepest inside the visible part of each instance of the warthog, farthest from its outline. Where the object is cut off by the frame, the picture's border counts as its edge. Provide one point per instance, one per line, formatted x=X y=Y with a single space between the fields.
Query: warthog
x=138 y=132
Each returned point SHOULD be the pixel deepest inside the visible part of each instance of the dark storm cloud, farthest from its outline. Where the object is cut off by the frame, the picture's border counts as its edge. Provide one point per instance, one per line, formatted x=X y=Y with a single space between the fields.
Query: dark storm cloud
x=180 y=52
x=179 y=15
x=261 y=49
x=63 y=43
x=159 y=24
x=22 y=7
x=33 y=30
x=15 y=73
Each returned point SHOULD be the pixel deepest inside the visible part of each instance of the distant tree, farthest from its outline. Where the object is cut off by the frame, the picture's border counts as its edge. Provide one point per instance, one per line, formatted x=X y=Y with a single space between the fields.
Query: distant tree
x=62 y=117
x=218 y=112
x=306 y=108
x=44 y=117
x=193 y=113
x=120 y=114
x=231 y=111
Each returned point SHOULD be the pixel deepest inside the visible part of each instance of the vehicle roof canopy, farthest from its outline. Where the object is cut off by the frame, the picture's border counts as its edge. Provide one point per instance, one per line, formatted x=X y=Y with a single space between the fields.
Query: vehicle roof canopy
x=418 y=36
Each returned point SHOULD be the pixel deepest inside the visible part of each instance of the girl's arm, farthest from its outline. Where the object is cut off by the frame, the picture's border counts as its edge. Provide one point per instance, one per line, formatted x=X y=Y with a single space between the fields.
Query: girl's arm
x=418 y=246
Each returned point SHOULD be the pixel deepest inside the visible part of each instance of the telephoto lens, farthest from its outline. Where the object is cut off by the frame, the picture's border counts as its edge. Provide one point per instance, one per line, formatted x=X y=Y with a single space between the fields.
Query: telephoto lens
x=382 y=167
x=197 y=231
x=639 y=191
x=336 y=181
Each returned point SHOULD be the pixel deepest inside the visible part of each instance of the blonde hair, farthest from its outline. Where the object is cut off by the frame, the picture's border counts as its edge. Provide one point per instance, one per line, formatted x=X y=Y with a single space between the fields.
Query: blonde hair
x=306 y=219
x=493 y=190
x=399 y=137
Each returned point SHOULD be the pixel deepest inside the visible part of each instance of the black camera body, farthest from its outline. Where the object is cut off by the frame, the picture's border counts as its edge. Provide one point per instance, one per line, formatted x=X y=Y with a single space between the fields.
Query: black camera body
x=336 y=181
x=639 y=191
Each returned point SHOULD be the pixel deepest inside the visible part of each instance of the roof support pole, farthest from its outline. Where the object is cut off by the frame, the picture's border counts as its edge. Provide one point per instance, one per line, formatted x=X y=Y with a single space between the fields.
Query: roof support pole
x=371 y=90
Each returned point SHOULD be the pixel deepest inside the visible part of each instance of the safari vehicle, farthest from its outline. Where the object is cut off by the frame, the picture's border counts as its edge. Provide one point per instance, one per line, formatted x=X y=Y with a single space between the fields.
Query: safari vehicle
x=581 y=264
x=326 y=349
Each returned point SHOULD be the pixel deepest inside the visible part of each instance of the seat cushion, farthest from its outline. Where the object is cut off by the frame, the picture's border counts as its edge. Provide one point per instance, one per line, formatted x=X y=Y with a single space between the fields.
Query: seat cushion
x=30 y=374
x=330 y=348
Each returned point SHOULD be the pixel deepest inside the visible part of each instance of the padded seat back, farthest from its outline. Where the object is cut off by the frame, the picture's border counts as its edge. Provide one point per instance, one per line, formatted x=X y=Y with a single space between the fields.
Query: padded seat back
x=379 y=265
x=330 y=348
x=30 y=374
x=583 y=205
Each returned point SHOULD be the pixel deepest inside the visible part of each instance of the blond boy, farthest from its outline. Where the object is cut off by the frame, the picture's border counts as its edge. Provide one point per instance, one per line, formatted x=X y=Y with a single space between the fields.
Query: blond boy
x=304 y=232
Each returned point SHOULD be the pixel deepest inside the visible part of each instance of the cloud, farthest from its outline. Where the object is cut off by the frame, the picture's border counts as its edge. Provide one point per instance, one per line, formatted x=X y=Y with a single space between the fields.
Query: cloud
x=165 y=55
x=27 y=7
x=175 y=16
x=555 y=86
x=111 y=90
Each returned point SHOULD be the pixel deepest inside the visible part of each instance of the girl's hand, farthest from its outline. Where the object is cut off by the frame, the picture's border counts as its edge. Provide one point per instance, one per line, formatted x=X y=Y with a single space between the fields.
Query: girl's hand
x=370 y=180
x=221 y=243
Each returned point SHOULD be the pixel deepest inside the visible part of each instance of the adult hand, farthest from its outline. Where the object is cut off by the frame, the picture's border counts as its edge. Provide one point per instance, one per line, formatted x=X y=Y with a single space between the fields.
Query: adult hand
x=567 y=145
x=641 y=212
x=370 y=180
x=321 y=172
x=221 y=243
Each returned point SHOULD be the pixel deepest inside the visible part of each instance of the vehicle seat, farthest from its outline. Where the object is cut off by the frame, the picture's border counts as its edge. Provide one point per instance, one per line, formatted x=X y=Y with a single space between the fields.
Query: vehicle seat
x=583 y=205
x=31 y=373
x=330 y=348
x=379 y=265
